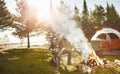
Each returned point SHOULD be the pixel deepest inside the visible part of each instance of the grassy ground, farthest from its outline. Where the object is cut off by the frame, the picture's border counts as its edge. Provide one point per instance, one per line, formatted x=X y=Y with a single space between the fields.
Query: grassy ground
x=37 y=61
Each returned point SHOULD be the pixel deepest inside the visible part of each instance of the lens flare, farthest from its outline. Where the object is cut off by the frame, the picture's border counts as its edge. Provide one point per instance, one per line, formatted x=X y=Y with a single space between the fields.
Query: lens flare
x=42 y=7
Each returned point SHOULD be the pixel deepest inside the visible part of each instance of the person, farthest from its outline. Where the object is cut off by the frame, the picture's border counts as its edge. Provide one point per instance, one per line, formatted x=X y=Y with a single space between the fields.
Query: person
x=56 y=49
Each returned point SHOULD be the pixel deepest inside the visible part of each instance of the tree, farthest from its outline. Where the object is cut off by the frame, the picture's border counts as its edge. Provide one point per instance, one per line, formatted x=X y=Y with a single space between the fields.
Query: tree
x=86 y=25
x=85 y=13
x=6 y=18
x=112 y=17
x=98 y=15
x=76 y=16
x=26 y=22
x=96 y=20
x=111 y=13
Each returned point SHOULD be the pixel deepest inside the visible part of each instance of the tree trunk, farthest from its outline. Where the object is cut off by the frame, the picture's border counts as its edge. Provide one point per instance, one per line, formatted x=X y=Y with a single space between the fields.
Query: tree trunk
x=69 y=58
x=28 y=40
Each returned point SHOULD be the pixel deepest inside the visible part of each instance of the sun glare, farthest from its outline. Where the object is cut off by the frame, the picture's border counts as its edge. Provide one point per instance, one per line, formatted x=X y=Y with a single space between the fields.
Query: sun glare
x=42 y=6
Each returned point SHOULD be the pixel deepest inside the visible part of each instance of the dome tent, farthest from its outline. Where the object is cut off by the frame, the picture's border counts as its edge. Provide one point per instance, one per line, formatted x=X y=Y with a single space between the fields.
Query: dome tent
x=106 y=44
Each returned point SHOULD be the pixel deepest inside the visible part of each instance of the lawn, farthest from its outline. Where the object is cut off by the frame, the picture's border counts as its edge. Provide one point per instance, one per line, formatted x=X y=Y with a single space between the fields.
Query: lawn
x=37 y=61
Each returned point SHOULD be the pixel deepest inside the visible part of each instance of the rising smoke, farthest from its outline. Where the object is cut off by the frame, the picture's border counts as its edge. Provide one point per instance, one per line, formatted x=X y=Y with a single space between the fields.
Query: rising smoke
x=61 y=21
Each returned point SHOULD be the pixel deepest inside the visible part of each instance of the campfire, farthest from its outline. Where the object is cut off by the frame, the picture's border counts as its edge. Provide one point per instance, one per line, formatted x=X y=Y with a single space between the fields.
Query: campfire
x=91 y=65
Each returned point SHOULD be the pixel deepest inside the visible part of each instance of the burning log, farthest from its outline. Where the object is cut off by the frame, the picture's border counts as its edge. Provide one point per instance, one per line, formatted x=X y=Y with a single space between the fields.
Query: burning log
x=87 y=69
x=84 y=67
x=90 y=64
x=94 y=59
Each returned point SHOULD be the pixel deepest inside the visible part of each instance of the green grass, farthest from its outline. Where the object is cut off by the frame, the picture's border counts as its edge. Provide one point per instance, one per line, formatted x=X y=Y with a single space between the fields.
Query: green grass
x=37 y=61
x=19 y=61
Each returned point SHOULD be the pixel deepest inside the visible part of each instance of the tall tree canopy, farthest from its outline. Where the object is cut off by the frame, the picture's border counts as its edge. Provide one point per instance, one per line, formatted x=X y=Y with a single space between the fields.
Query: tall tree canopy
x=26 y=21
x=111 y=13
x=112 y=17
x=85 y=24
x=6 y=18
x=85 y=13
x=98 y=15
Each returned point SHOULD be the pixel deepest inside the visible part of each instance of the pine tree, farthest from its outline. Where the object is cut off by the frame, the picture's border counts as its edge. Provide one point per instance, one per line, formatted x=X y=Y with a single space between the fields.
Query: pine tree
x=76 y=16
x=26 y=20
x=85 y=13
x=112 y=17
x=85 y=23
x=107 y=14
x=6 y=18
x=111 y=13
x=98 y=15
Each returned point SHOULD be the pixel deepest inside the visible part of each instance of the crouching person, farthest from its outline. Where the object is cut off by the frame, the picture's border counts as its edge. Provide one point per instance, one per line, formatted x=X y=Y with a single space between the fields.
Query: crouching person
x=56 y=50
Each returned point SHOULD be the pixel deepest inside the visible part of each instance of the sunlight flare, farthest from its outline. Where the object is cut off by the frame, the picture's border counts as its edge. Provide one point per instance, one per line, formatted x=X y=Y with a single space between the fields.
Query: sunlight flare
x=42 y=6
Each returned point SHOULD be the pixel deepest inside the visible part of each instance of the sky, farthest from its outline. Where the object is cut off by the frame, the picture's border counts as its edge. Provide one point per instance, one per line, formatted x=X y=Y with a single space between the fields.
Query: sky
x=11 y=4
x=91 y=4
x=71 y=3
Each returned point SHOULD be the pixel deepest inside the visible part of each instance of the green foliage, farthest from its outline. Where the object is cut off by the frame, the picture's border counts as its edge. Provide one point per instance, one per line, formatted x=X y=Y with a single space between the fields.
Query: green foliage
x=89 y=29
x=26 y=22
x=111 y=13
x=6 y=18
x=98 y=15
x=85 y=13
x=112 y=17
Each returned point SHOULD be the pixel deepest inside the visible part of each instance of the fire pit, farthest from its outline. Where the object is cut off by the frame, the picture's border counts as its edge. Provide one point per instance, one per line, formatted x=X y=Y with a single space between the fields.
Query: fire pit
x=92 y=66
